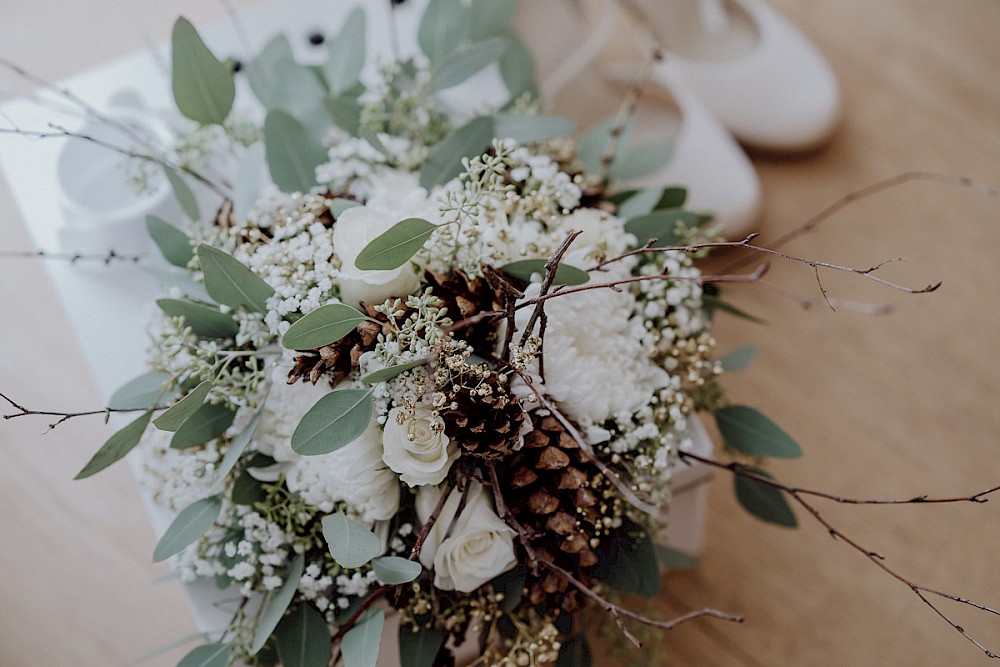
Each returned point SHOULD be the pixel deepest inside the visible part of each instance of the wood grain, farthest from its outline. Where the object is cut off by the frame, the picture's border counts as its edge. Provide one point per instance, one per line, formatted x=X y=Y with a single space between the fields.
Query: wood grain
x=887 y=406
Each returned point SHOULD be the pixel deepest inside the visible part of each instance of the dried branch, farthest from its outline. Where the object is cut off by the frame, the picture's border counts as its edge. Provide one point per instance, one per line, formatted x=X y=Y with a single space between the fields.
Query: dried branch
x=64 y=416
x=73 y=257
x=620 y=612
x=799 y=495
x=551 y=267
x=864 y=193
x=506 y=515
x=845 y=304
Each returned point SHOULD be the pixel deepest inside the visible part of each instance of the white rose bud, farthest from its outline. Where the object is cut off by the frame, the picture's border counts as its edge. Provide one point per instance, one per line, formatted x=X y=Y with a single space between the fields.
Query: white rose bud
x=416 y=446
x=357 y=227
x=479 y=548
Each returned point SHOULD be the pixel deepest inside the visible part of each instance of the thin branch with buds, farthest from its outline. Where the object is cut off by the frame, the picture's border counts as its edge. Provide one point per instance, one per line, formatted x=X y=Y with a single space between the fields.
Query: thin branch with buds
x=65 y=416
x=74 y=257
x=799 y=495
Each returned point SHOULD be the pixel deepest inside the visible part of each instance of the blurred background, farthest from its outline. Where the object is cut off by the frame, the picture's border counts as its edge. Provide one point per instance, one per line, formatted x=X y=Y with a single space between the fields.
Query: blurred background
x=888 y=406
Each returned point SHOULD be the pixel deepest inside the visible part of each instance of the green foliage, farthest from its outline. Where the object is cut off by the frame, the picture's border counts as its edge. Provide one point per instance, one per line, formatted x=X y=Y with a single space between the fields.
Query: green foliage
x=444 y=161
x=139 y=393
x=641 y=161
x=187 y=527
x=345 y=112
x=531 y=128
x=346 y=55
x=351 y=543
x=336 y=420
x=182 y=193
x=360 y=645
x=444 y=25
x=490 y=18
x=395 y=570
x=323 y=326
x=281 y=83
x=116 y=447
x=207 y=655
x=565 y=274
x=763 y=501
x=231 y=283
x=465 y=61
x=662 y=225
x=739 y=359
x=338 y=206
x=419 y=645
x=517 y=68
x=292 y=153
x=749 y=432
x=205 y=321
x=630 y=566
x=174 y=245
x=395 y=246
x=207 y=423
x=246 y=490
x=203 y=86
x=180 y=411
x=384 y=374
x=303 y=638
x=275 y=606
x=248 y=177
x=714 y=303
x=674 y=559
x=633 y=203
x=574 y=652
x=234 y=451
x=511 y=585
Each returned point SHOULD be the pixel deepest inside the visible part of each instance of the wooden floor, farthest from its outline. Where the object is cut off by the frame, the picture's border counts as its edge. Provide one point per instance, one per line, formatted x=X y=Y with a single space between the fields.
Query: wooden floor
x=891 y=406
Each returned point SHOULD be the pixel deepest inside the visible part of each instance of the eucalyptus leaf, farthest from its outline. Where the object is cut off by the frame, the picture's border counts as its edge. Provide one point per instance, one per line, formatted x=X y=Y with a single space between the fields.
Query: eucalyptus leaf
x=207 y=655
x=713 y=303
x=466 y=61
x=235 y=451
x=193 y=522
x=116 y=447
x=360 y=644
x=336 y=420
x=174 y=245
x=205 y=321
x=642 y=161
x=395 y=246
x=351 y=543
x=629 y=566
x=595 y=143
x=531 y=128
x=574 y=652
x=517 y=68
x=345 y=112
x=140 y=392
x=384 y=374
x=323 y=326
x=739 y=359
x=638 y=202
x=511 y=585
x=674 y=559
x=444 y=25
x=277 y=604
x=209 y=422
x=748 y=431
x=565 y=274
x=246 y=490
x=444 y=161
x=673 y=197
x=346 y=54
x=279 y=82
x=203 y=86
x=303 y=638
x=231 y=283
x=182 y=193
x=180 y=411
x=763 y=501
x=661 y=225
x=373 y=139
x=338 y=206
x=490 y=18
x=394 y=570
x=419 y=645
x=187 y=639
x=292 y=152
x=248 y=179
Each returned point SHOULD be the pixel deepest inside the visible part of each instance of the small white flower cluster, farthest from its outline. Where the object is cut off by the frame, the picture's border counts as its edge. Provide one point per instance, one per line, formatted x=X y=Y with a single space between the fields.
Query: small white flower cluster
x=176 y=478
x=355 y=167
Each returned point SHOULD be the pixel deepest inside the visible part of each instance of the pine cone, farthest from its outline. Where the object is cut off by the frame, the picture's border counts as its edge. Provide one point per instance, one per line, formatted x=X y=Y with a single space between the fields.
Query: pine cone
x=465 y=297
x=337 y=359
x=559 y=498
x=482 y=414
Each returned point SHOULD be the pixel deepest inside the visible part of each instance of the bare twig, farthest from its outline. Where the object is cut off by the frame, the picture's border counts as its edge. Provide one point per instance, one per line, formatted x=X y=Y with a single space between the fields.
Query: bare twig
x=506 y=515
x=551 y=268
x=64 y=416
x=73 y=257
x=799 y=495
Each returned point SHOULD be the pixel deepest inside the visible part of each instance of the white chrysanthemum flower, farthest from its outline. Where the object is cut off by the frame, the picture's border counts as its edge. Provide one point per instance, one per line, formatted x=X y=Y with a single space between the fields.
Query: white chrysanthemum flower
x=597 y=357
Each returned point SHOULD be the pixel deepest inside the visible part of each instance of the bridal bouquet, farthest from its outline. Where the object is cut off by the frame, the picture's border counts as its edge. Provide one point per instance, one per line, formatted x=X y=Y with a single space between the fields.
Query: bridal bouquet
x=419 y=360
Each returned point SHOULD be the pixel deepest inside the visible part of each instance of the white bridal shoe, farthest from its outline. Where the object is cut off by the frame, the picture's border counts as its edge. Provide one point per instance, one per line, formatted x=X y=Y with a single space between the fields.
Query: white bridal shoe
x=751 y=67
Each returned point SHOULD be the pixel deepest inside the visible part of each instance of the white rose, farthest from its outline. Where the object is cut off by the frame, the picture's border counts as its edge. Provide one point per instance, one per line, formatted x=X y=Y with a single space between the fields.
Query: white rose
x=357 y=227
x=480 y=547
x=417 y=447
